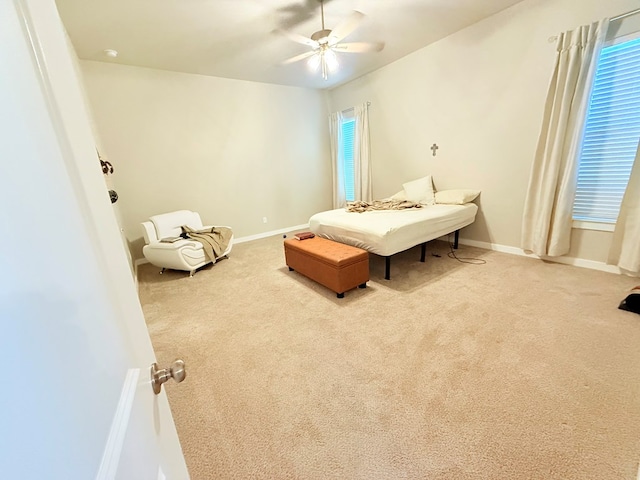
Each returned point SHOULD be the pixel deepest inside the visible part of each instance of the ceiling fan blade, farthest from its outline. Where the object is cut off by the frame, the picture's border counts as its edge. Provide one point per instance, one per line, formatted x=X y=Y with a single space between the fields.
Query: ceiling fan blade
x=348 y=26
x=358 y=47
x=297 y=58
x=299 y=38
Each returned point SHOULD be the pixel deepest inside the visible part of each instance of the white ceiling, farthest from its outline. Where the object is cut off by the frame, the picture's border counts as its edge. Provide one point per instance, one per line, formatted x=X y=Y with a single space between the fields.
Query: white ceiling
x=238 y=39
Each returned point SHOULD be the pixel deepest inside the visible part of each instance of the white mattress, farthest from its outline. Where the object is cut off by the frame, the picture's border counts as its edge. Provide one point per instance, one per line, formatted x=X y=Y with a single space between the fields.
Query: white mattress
x=386 y=232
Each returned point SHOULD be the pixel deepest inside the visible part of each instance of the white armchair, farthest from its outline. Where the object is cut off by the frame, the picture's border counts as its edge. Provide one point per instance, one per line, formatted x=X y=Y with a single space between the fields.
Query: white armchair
x=185 y=254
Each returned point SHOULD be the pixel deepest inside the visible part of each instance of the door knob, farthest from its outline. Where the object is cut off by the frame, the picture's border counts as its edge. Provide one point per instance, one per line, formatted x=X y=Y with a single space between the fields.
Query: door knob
x=158 y=377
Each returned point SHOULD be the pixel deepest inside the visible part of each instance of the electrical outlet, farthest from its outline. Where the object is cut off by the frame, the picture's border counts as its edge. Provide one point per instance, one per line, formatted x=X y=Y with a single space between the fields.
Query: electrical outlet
x=264 y=219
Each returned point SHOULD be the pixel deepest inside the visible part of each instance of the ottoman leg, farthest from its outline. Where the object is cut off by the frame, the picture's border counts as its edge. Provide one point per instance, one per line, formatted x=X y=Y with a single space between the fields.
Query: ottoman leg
x=340 y=295
x=290 y=269
x=362 y=285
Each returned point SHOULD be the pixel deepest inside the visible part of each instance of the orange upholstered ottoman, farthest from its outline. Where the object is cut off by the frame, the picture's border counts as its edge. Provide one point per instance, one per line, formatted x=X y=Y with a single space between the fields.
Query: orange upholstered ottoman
x=337 y=266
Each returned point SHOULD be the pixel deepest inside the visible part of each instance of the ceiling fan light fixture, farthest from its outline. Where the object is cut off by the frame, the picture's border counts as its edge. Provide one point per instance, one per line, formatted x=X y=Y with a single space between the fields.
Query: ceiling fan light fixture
x=326 y=42
x=314 y=62
x=332 y=59
x=326 y=59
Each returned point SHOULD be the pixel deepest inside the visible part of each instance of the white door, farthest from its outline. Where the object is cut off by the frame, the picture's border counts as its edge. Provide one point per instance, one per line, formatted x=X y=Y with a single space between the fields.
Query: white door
x=75 y=394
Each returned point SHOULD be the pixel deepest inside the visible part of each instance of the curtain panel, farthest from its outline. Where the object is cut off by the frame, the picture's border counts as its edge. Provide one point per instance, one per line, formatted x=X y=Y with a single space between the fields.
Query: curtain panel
x=361 y=155
x=337 y=167
x=548 y=212
x=625 y=246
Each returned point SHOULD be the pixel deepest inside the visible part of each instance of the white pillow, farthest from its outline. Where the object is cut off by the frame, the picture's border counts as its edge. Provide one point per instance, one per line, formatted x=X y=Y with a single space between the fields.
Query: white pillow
x=420 y=191
x=401 y=196
x=456 y=197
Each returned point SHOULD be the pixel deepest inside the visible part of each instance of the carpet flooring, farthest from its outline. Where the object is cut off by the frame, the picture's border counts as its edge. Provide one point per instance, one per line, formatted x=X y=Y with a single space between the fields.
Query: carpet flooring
x=514 y=369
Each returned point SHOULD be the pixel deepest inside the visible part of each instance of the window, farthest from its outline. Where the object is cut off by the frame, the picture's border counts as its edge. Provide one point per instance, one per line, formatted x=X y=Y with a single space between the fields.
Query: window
x=611 y=134
x=346 y=157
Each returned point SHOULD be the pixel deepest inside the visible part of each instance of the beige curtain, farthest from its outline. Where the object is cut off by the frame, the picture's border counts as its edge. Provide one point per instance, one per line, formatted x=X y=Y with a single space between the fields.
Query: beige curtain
x=335 y=134
x=547 y=219
x=625 y=247
x=361 y=154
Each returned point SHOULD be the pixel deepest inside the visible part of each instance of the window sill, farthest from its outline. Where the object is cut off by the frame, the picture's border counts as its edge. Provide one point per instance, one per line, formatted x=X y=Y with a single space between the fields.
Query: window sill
x=601 y=227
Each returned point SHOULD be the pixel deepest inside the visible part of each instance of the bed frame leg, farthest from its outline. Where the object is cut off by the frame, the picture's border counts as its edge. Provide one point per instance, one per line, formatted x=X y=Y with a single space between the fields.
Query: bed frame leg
x=455 y=239
x=423 y=252
x=387 y=268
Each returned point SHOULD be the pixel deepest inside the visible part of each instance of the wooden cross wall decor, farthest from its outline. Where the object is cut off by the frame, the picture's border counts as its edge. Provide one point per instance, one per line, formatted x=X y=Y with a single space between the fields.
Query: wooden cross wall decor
x=434 y=147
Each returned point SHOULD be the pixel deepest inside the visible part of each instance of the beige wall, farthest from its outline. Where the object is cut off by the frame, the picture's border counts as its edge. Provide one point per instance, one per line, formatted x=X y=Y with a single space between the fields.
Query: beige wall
x=99 y=146
x=239 y=151
x=234 y=151
x=479 y=94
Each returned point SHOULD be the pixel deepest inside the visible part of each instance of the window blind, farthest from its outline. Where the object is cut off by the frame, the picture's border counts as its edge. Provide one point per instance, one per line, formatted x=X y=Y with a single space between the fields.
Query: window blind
x=348 y=131
x=611 y=134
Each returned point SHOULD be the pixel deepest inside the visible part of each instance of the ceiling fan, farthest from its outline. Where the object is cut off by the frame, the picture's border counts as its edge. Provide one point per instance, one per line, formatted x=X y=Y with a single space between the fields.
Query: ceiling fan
x=325 y=44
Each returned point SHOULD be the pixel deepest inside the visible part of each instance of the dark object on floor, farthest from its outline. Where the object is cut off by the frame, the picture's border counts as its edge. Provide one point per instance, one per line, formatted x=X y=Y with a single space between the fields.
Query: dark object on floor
x=632 y=302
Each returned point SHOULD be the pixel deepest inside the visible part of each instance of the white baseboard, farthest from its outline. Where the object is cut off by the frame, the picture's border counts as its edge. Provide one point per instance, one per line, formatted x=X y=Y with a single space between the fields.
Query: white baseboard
x=138 y=262
x=271 y=233
x=576 y=262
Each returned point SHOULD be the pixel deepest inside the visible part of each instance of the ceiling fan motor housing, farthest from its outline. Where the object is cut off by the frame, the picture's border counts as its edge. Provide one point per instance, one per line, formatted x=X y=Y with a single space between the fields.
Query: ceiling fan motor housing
x=321 y=36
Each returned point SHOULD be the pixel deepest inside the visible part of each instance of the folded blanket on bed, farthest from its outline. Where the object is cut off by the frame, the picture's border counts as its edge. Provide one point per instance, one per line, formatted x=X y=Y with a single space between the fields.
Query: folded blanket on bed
x=362 y=206
x=214 y=240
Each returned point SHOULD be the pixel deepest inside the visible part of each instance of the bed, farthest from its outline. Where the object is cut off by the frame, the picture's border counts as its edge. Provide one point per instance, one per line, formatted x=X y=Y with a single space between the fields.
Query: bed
x=387 y=232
